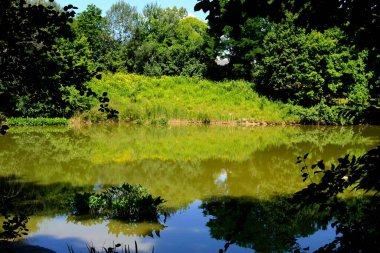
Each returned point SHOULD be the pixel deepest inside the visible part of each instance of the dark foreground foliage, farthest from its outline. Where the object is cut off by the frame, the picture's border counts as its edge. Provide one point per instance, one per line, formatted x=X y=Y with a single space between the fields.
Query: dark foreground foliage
x=354 y=234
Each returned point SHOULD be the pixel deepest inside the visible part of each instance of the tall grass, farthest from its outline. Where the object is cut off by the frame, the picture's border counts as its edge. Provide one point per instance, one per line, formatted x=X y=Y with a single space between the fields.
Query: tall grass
x=143 y=99
x=114 y=249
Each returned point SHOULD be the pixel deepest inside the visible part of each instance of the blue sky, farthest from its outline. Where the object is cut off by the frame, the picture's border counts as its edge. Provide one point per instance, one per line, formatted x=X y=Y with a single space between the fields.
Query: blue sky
x=106 y=4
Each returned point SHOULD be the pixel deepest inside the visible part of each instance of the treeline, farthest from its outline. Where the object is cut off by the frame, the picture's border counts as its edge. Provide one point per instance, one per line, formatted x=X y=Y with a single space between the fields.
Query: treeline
x=49 y=53
x=329 y=65
x=158 y=41
x=305 y=51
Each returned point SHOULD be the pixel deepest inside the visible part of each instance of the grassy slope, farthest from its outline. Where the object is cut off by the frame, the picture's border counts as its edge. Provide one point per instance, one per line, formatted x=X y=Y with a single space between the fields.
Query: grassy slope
x=144 y=98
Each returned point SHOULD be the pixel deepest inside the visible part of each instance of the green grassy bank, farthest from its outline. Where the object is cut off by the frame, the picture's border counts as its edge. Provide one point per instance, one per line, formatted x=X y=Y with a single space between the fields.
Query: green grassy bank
x=159 y=100
x=145 y=99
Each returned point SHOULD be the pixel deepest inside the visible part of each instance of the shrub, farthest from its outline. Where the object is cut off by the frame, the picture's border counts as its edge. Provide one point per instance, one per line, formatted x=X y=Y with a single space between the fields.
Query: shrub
x=160 y=121
x=204 y=118
x=310 y=68
x=336 y=115
x=127 y=202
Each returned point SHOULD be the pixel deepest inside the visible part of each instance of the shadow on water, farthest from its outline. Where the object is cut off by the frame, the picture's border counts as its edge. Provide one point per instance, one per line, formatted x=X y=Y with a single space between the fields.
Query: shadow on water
x=276 y=225
x=264 y=225
x=19 y=201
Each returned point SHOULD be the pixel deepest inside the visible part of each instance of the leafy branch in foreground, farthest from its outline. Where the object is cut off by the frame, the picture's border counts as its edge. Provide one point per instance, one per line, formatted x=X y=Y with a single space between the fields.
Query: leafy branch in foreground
x=3 y=128
x=360 y=172
x=358 y=234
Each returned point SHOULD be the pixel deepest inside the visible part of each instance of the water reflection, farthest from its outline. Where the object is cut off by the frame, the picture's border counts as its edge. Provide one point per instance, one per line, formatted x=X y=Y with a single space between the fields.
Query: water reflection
x=229 y=224
x=240 y=173
x=277 y=225
x=265 y=226
x=119 y=227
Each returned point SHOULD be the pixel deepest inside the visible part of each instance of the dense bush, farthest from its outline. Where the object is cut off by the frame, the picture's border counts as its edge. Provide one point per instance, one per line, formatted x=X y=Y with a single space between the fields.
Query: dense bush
x=337 y=114
x=128 y=202
x=321 y=114
x=41 y=58
x=310 y=68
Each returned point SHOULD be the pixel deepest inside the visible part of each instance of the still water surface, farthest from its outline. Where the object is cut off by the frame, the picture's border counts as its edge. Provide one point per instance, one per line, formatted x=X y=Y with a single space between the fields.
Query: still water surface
x=222 y=184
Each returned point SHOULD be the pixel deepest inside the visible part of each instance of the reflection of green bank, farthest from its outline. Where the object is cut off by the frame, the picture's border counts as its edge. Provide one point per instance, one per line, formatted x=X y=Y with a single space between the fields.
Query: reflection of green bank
x=37 y=121
x=181 y=164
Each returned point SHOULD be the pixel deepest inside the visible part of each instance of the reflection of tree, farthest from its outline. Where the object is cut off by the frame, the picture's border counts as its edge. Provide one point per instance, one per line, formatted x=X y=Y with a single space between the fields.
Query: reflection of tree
x=33 y=198
x=84 y=220
x=265 y=226
x=274 y=225
x=357 y=225
x=19 y=200
x=117 y=227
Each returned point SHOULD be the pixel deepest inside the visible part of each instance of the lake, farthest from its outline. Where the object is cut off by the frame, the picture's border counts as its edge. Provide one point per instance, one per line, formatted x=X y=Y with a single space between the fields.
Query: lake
x=225 y=187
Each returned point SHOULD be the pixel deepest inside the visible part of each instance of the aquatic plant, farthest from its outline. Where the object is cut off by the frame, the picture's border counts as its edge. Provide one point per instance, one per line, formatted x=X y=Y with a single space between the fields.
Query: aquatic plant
x=114 y=249
x=127 y=202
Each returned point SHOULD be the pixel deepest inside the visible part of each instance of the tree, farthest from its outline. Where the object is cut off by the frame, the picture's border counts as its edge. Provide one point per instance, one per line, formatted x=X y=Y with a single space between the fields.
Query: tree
x=170 y=43
x=123 y=24
x=32 y=77
x=3 y=126
x=90 y=24
x=360 y=20
x=238 y=31
x=122 y=21
x=311 y=68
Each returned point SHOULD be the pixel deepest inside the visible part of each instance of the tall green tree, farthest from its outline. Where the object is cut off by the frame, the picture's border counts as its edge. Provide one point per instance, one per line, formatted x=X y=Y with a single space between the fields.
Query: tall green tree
x=122 y=25
x=311 y=68
x=122 y=21
x=32 y=74
x=89 y=24
x=170 y=43
x=360 y=20
x=105 y=49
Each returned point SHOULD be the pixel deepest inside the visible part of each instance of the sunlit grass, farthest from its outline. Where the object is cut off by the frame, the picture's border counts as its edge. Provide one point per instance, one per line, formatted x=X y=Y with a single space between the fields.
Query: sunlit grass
x=141 y=98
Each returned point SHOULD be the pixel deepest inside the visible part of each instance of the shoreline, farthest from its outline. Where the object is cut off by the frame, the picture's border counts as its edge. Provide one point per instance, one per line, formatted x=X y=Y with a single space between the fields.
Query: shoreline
x=77 y=122
x=180 y=122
